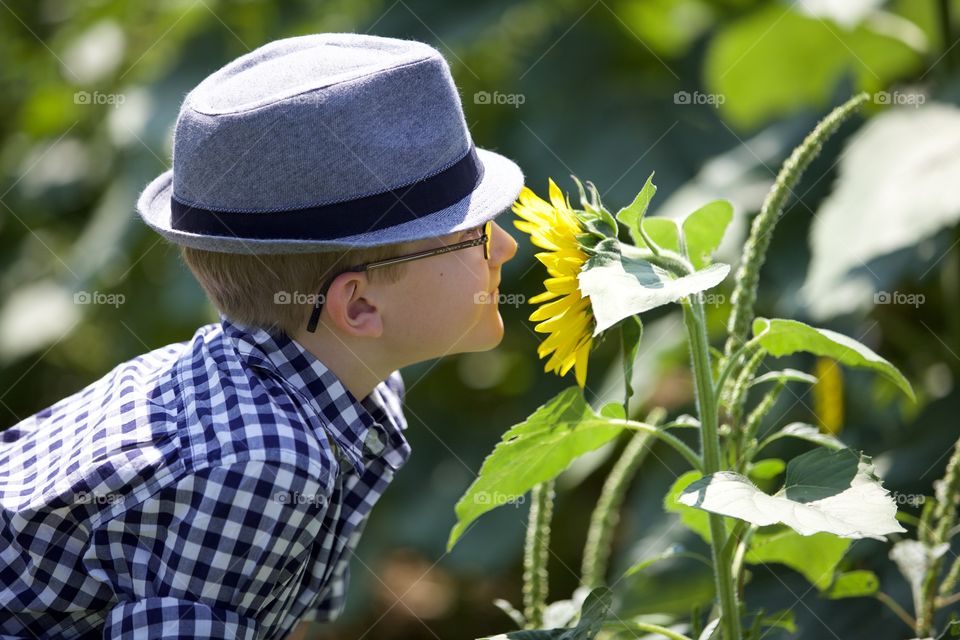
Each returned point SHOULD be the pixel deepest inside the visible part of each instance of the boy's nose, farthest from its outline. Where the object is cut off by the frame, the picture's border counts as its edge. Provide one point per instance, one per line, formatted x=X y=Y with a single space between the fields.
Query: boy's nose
x=504 y=246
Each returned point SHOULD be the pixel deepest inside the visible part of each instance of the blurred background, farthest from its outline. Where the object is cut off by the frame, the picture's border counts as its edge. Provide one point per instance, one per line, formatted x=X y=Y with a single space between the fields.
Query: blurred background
x=710 y=94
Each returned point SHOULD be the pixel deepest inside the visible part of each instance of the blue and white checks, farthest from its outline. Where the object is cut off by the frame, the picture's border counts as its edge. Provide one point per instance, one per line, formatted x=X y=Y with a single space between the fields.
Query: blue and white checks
x=212 y=488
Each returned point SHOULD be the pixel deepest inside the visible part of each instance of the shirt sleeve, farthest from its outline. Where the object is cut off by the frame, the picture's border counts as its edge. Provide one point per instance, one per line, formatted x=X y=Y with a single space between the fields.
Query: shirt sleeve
x=211 y=556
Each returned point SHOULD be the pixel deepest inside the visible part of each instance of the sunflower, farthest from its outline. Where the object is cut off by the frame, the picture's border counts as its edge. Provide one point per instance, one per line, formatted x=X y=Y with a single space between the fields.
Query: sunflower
x=568 y=317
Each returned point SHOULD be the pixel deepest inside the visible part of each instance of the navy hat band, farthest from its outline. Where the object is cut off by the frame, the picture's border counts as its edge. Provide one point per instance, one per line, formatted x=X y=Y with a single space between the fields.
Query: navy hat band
x=339 y=219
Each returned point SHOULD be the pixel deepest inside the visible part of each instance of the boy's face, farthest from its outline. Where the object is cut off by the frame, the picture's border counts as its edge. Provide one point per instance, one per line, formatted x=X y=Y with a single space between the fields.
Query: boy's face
x=448 y=303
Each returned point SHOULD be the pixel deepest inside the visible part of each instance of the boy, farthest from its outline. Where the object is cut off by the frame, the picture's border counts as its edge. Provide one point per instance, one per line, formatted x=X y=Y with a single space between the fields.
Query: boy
x=327 y=196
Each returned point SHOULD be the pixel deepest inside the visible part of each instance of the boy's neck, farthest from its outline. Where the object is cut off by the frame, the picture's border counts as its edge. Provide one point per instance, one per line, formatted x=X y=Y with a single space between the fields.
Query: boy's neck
x=359 y=374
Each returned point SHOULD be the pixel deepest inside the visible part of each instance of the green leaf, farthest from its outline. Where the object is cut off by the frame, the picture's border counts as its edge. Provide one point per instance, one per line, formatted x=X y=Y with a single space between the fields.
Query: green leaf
x=808 y=432
x=767 y=469
x=781 y=619
x=595 y=609
x=620 y=286
x=785 y=337
x=853 y=584
x=703 y=231
x=664 y=232
x=787 y=375
x=825 y=491
x=816 y=557
x=533 y=451
x=632 y=214
x=776 y=61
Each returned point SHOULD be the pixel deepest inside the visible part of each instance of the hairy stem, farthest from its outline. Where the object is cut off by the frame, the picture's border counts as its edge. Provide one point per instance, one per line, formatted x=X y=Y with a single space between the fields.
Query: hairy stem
x=944 y=515
x=536 y=554
x=755 y=249
x=606 y=515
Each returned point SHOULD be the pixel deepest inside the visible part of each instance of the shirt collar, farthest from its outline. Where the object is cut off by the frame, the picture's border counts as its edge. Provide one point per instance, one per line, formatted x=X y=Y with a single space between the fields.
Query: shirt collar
x=356 y=433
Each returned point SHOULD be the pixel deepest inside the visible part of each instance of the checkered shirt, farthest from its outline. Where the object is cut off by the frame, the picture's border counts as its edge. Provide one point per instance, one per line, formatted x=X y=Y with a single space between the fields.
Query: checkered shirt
x=213 y=488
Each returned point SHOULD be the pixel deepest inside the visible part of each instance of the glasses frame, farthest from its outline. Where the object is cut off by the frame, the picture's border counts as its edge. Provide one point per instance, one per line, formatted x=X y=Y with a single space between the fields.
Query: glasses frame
x=484 y=239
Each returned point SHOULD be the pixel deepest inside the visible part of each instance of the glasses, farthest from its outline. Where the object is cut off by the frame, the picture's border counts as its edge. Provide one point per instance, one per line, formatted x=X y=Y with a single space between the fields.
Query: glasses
x=483 y=239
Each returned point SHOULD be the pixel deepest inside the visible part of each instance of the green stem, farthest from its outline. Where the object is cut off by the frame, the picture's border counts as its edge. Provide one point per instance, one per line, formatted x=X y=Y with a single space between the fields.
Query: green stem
x=694 y=320
x=896 y=608
x=755 y=249
x=679 y=445
x=606 y=515
x=622 y=625
x=536 y=553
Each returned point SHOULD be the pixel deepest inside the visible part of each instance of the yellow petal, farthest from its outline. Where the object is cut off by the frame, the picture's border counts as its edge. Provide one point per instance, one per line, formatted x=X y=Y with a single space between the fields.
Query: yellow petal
x=583 y=355
x=543 y=297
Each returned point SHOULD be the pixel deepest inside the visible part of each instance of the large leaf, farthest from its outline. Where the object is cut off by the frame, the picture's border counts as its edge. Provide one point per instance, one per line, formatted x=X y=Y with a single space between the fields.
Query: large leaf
x=785 y=337
x=897 y=179
x=534 y=451
x=816 y=556
x=703 y=231
x=776 y=61
x=825 y=491
x=620 y=286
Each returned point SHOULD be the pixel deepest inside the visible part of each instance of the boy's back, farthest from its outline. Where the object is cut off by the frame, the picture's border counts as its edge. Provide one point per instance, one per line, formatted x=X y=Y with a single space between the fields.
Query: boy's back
x=188 y=471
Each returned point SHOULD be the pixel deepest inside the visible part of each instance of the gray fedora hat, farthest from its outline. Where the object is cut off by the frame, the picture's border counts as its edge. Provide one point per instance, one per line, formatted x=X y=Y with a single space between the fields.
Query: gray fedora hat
x=326 y=142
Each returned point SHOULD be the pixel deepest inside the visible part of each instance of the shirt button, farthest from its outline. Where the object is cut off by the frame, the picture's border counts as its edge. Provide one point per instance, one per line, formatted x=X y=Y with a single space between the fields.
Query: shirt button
x=375 y=442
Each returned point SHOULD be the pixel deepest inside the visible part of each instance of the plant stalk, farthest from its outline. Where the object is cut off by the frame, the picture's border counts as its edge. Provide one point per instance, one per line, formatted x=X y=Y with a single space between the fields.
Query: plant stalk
x=606 y=515
x=536 y=554
x=726 y=588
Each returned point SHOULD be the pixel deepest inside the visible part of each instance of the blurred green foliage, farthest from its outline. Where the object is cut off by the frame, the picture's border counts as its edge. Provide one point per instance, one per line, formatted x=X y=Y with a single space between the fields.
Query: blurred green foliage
x=711 y=94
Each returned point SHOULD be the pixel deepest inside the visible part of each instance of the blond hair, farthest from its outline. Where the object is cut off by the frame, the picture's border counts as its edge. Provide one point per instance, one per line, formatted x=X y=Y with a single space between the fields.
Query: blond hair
x=275 y=291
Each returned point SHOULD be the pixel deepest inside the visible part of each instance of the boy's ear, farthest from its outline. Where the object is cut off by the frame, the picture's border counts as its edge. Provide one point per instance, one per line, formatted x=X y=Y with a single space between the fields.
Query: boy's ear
x=350 y=306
